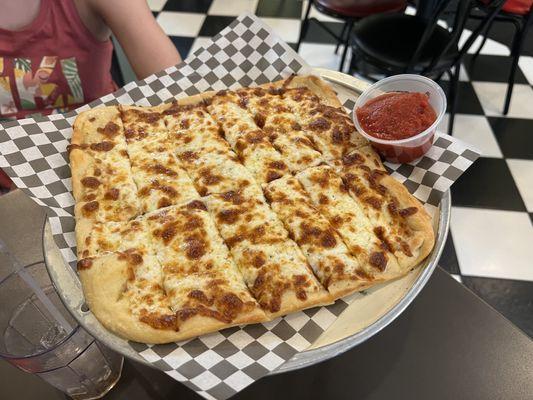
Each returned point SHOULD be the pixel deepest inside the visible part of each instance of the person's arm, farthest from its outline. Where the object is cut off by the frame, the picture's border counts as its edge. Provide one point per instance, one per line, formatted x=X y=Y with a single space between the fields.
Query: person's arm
x=147 y=47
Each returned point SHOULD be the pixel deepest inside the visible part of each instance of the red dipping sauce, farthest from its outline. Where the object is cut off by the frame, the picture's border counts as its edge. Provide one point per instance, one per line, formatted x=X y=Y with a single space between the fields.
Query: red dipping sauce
x=396 y=115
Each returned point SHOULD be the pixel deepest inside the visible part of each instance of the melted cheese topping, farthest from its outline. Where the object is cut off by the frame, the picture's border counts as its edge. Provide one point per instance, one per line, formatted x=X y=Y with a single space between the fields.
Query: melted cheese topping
x=269 y=261
x=380 y=206
x=107 y=190
x=204 y=154
x=199 y=276
x=252 y=144
x=326 y=252
x=330 y=128
x=329 y=195
x=102 y=124
x=160 y=180
x=143 y=122
x=112 y=237
x=283 y=130
x=145 y=294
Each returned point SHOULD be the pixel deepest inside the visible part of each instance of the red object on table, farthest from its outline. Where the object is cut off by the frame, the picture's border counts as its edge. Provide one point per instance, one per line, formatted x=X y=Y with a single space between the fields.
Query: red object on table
x=361 y=8
x=5 y=181
x=396 y=115
x=519 y=7
x=403 y=154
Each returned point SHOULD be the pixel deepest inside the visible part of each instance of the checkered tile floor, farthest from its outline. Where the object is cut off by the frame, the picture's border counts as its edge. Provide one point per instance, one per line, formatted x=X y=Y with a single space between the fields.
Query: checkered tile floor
x=490 y=248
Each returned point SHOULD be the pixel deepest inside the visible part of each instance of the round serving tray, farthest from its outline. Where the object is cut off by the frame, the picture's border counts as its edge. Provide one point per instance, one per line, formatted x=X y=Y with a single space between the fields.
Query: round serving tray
x=368 y=313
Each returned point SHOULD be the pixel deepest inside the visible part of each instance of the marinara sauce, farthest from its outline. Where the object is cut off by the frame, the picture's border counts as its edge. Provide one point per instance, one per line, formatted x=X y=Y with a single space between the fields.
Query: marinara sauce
x=396 y=116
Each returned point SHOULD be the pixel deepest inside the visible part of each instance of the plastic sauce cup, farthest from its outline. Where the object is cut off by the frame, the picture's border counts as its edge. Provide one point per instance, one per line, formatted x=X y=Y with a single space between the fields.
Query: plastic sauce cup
x=409 y=149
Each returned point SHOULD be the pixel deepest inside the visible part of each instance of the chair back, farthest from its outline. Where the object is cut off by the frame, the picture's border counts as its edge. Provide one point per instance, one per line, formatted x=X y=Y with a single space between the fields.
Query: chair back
x=461 y=12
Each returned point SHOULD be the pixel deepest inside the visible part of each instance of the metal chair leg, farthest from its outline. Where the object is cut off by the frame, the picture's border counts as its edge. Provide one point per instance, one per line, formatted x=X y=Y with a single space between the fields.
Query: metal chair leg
x=346 y=41
x=305 y=25
x=515 y=53
x=485 y=36
x=342 y=37
x=452 y=96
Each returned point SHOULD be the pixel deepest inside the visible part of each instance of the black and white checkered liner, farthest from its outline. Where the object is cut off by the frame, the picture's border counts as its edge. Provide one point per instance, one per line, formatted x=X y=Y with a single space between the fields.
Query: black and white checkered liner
x=246 y=53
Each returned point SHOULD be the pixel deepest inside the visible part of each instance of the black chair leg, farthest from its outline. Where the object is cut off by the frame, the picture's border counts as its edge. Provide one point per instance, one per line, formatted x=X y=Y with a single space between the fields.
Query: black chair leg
x=305 y=25
x=452 y=96
x=485 y=36
x=346 y=45
x=339 y=42
x=515 y=53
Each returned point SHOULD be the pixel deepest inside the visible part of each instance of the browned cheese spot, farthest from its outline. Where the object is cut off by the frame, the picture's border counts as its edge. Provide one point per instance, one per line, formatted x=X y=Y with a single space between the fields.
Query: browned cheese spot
x=90 y=182
x=319 y=124
x=161 y=169
x=112 y=194
x=110 y=129
x=85 y=263
x=196 y=247
x=378 y=260
x=351 y=159
x=407 y=212
x=90 y=207
x=196 y=204
x=229 y=216
x=102 y=146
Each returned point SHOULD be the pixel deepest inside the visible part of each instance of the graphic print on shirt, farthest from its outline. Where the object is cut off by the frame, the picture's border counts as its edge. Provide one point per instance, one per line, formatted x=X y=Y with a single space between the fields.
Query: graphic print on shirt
x=7 y=105
x=53 y=84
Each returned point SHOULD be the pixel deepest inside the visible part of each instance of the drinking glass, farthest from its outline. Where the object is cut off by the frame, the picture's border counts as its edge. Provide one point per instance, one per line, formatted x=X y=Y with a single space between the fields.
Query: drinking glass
x=38 y=334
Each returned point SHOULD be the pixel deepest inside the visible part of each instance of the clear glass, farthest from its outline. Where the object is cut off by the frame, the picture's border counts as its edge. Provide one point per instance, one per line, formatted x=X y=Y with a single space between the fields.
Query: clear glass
x=409 y=149
x=38 y=334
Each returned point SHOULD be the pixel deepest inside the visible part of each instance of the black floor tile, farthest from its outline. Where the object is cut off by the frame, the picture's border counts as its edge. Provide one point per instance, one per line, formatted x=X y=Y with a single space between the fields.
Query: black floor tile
x=503 y=32
x=515 y=136
x=213 y=24
x=531 y=217
x=491 y=69
x=448 y=259
x=317 y=34
x=514 y=299
x=198 y=6
x=488 y=183
x=467 y=100
x=279 y=9
x=183 y=44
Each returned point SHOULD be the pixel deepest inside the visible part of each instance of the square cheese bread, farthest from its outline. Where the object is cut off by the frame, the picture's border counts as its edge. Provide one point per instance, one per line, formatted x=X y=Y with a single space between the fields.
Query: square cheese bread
x=233 y=208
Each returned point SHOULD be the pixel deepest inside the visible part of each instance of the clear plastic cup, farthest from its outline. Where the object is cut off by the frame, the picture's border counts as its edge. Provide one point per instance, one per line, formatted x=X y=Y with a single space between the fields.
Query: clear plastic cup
x=39 y=336
x=409 y=149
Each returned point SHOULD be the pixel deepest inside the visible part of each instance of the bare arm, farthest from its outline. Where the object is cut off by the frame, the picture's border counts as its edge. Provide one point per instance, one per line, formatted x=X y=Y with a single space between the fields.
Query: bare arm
x=147 y=47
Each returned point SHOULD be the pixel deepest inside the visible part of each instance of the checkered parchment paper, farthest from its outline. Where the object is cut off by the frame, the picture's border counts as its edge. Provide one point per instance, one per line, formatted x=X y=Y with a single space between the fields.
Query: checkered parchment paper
x=246 y=53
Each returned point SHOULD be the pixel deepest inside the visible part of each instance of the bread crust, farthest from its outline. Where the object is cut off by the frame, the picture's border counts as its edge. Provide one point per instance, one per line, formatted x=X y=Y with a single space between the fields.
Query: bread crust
x=103 y=286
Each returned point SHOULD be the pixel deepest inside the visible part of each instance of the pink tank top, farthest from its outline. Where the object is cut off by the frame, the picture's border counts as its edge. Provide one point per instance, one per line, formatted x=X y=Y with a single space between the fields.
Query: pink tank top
x=54 y=64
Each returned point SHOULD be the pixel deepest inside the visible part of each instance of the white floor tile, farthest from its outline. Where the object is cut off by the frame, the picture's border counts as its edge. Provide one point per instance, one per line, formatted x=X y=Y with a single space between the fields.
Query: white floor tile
x=492 y=95
x=288 y=29
x=200 y=41
x=476 y=130
x=493 y=243
x=522 y=171
x=526 y=65
x=156 y=5
x=491 y=47
x=320 y=55
x=181 y=24
x=410 y=10
x=463 y=75
x=232 y=7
